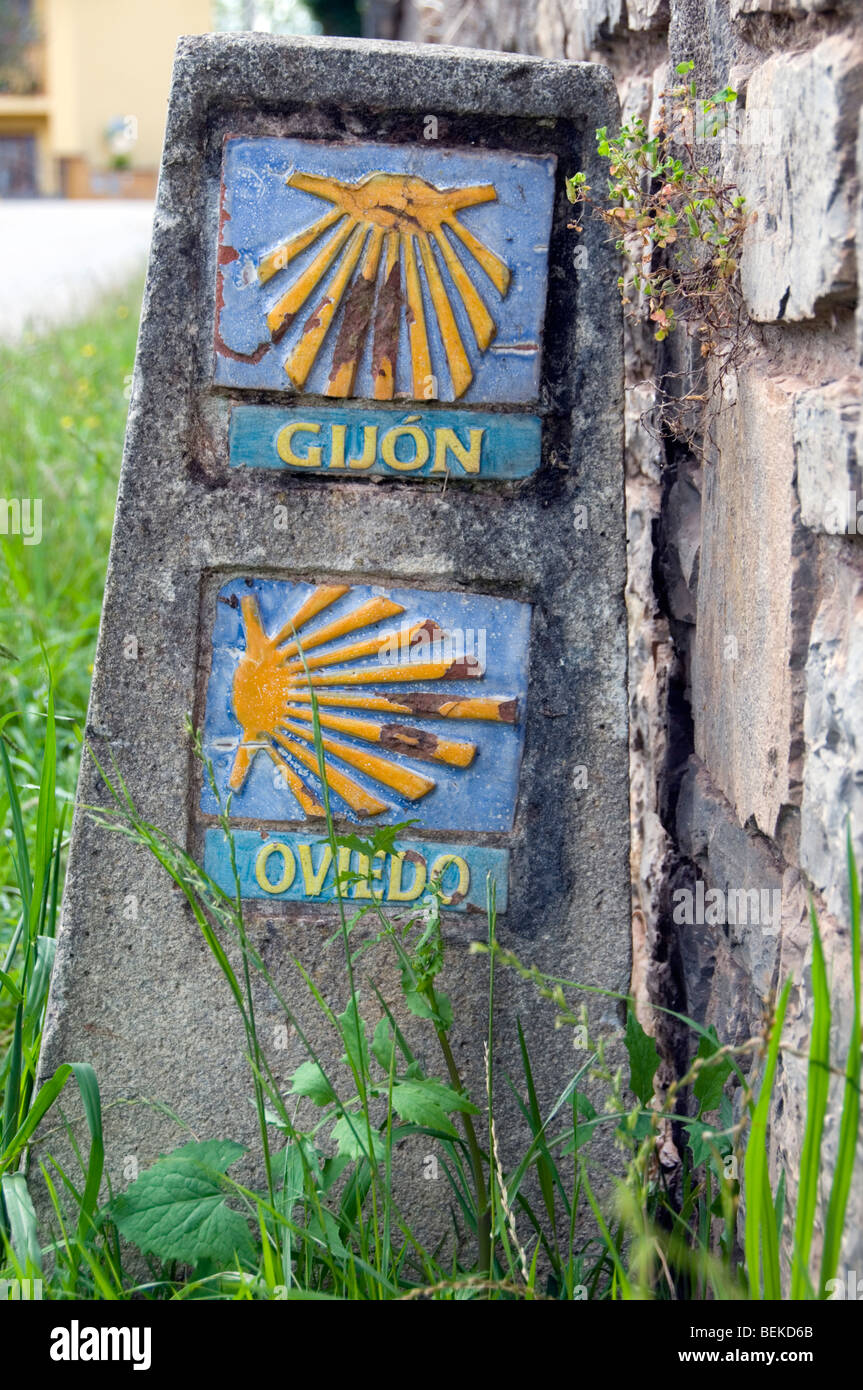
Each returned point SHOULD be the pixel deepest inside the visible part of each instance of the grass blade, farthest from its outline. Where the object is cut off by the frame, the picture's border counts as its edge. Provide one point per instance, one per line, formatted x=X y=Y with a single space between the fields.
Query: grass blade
x=850 y=1124
x=760 y=1243
x=817 y=1090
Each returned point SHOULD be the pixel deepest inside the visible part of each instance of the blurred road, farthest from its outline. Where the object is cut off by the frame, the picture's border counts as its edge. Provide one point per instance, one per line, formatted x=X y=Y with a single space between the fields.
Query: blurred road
x=58 y=257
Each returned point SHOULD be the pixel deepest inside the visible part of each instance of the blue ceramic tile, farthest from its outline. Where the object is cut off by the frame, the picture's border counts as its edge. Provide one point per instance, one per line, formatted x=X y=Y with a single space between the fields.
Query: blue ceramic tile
x=496 y=248
x=446 y=773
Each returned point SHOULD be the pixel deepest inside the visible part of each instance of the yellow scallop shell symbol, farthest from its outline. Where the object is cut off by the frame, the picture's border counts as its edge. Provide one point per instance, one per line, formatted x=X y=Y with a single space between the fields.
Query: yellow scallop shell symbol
x=271 y=698
x=387 y=233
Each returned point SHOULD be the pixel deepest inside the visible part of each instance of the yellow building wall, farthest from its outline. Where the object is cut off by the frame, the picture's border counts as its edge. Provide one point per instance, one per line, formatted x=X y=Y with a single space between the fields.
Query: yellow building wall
x=109 y=58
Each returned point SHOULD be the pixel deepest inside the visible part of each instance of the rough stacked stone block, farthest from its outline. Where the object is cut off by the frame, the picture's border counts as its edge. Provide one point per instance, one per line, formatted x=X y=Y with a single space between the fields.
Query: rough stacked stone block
x=754 y=595
x=797 y=172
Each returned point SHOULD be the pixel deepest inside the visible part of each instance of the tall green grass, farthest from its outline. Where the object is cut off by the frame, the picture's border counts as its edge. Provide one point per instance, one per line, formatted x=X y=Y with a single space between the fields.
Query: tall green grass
x=325 y=1223
x=63 y=404
x=24 y=983
x=63 y=408
x=540 y=1229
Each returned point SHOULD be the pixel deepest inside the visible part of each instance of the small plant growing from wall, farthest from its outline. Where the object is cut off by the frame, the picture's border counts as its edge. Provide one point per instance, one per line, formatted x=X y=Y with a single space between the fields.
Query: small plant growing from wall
x=678 y=225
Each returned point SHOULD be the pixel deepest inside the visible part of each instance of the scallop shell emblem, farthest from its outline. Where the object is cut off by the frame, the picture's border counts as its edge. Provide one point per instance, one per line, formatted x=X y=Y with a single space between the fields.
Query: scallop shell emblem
x=388 y=241
x=359 y=666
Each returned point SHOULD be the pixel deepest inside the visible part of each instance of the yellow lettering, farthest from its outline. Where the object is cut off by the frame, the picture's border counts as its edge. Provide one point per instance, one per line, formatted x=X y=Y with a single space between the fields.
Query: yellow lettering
x=313 y=879
x=337 y=450
x=421 y=448
x=439 y=868
x=363 y=886
x=285 y=450
x=446 y=440
x=343 y=866
x=288 y=872
x=396 y=893
x=370 y=448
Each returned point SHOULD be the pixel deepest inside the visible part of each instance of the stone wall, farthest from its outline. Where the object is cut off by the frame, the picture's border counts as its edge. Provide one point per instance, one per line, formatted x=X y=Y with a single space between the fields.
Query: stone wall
x=745 y=592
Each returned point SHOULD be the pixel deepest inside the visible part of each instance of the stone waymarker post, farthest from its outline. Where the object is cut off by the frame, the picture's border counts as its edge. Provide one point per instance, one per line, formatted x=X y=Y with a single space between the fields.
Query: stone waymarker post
x=377 y=408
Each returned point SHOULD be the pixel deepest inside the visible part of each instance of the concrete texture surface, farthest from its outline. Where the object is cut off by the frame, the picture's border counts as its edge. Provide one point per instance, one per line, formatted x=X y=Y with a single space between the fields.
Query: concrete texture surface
x=135 y=991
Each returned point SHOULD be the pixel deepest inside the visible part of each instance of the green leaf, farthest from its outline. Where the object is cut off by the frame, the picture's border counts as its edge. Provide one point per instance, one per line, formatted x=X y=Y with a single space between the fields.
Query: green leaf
x=582 y=1135
x=759 y=1241
x=351 y=1136
x=584 y=1107
x=353 y=1032
x=309 y=1080
x=328 y=1234
x=9 y=984
x=817 y=1094
x=703 y=1140
x=545 y=1170
x=382 y=841
x=176 y=1209
x=573 y=184
x=711 y=1078
x=21 y=1216
x=289 y=1173
x=849 y=1127
x=40 y=978
x=419 y=1005
x=429 y=1103
x=643 y=1058
x=383 y=1043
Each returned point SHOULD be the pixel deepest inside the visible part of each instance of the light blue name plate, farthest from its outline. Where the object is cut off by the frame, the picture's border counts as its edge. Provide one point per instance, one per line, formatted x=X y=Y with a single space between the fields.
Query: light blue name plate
x=353 y=442
x=300 y=868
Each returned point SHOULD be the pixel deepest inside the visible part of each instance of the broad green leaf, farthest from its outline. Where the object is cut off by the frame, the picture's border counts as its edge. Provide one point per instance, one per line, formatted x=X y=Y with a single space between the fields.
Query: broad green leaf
x=582 y=1135
x=332 y=1170
x=40 y=978
x=383 y=1043
x=21 y=1216
x=703 y=1140
x=711 y=1079
x=353 y=1032
x=429 y=1103
x=584 y=1107
x=419 y=1005
x=176 y=1209
x=10 y=986
x=643 y=1058
x=351 y=1136
x=328 y=1235
x=309 y=1080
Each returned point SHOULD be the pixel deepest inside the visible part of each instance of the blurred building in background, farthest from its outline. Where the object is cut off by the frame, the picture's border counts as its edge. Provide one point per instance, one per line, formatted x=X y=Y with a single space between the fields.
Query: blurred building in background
x=84 y=84
x=83 y=93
